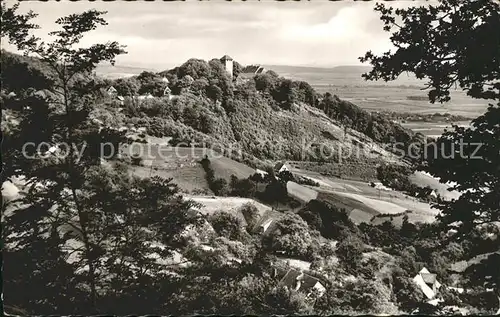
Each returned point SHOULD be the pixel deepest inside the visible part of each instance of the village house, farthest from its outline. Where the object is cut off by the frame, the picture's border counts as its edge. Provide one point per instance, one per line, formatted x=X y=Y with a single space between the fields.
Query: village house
x=112 y=91
x=167 y=92
x=113 y=94
x=299 y=281
x=248 y=72
x=265 y=227
x=427 y=282
x=281 y=167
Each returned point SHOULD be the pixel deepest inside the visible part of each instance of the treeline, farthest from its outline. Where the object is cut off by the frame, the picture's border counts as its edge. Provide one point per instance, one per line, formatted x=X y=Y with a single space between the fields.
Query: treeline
x=217 y=185
x=423 y=117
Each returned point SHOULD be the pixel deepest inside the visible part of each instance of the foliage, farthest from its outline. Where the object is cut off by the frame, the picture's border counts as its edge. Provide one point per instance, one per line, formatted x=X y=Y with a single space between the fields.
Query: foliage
x=128 y=87
x=407 y=294
x=451 y=55
x=293 y=237
x=350 y=253
x=150 y=83
x=103 y=218
x=217 y=185
x=21 y=74
x=226 y=225
x=443 y=43
x=16 y=26
x=353 y=298
x=251 y=214
x=242 y=187
x=473 y=170
x=330 y=221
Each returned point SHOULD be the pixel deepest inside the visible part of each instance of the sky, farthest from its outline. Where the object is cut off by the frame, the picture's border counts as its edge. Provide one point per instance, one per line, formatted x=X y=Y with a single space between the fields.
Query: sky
x=161 y=35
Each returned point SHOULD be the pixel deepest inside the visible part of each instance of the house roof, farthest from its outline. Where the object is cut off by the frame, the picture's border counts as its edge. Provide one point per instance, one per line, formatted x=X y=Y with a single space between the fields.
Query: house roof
x=252 y=70
x=290 y=278
x=424 y=270
x=266 y=224
x=429 y=278
x=428 y=292
x=278 y=165
x=226 y=58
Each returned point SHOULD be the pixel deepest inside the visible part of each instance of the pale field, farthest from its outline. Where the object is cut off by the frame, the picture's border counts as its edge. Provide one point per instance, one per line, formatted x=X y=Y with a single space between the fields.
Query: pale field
x=300 y=192
x=364 y=201
x=183 y=165
x=395 y=99
x=423 y=180
x=212 y=204
x=347 y=83
x=433 y=129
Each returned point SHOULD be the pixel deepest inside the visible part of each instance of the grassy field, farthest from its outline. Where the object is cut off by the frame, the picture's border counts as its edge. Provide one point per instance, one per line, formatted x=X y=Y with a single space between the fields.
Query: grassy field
x=423 y=180
x=363 y=202
x=301 y=193
x=228 y=204
x=182 y=164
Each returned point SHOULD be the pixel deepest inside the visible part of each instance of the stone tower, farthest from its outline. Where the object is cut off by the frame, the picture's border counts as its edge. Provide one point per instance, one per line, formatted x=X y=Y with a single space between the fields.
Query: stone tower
x=228 y=64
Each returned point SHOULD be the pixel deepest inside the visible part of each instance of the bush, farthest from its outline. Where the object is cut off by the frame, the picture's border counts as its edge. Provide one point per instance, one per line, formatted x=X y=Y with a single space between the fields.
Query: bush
x=251 y=214
x=407 y=294
x=226 y=225
x=350 y=254
x=242 y=187
x=217 y=185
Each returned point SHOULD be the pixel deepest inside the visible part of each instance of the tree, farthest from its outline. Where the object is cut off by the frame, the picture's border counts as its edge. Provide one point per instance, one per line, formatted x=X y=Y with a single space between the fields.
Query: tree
x=226 y=225
x=251 y=214
x=350 y=253
x=327 y=219
x=446 y=43
x=443 y=43
x=286 y=176
x=354 y=298
x=293 y=236
x=74 y=208
x=127 y=86
x=70 y=64
x=151 y=83
x=16 y=26
x=242 y=187
x=408 y=294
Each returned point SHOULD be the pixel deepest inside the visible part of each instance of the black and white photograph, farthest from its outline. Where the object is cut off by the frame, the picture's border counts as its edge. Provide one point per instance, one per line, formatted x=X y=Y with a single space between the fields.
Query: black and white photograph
x=210 y=157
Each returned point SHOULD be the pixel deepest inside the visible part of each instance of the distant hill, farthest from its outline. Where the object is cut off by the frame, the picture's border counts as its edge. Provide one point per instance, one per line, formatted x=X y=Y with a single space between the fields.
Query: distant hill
x=307 y=69
x=118 y=71
x=349 y=75
x=352 y=69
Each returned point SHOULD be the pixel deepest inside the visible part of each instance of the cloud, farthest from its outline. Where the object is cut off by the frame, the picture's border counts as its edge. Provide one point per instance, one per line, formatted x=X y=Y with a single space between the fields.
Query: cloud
x=164 y=34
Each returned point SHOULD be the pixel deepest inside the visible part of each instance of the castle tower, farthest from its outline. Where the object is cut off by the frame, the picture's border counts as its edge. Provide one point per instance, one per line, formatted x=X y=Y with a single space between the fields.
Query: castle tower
x=228 y=64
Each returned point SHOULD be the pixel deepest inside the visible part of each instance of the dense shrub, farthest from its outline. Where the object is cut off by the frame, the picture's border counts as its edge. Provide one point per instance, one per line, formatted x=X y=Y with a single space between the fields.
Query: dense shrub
x=226 y=225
